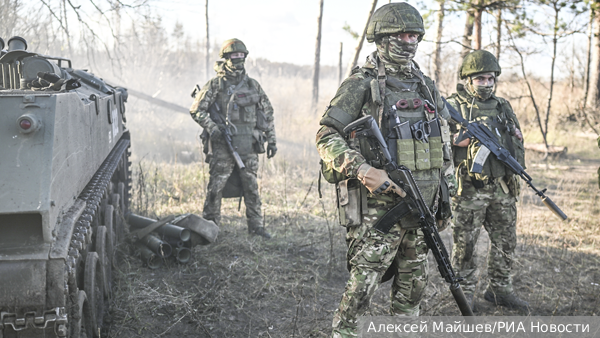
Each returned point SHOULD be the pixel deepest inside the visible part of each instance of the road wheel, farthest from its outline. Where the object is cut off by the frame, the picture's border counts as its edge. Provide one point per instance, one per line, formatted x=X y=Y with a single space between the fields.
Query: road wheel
x=94 y=287
x=81 y=326
x=103 y=259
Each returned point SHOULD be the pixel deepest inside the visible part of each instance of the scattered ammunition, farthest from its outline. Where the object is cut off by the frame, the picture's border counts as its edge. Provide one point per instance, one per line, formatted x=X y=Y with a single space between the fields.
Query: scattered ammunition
x=158 y=246
x=183 y=254
x=150 y=258
x=167 y=230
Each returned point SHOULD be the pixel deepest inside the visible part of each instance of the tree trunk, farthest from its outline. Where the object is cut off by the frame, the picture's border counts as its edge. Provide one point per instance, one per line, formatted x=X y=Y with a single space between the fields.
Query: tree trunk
x=477 y=23
x=315 y=91
x=498 y=34
x=586 y=82
x=437 y=55
x=467 y=37
x=594 y=89
x=340 y=63
x=554 y=45
x=66 y=21
x=361 y=39
x=207 y=59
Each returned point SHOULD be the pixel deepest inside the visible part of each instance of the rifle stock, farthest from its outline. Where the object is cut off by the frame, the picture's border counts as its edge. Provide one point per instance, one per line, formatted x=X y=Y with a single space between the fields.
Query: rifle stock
x=367 y=127
x=485 y=137
x=213 y=110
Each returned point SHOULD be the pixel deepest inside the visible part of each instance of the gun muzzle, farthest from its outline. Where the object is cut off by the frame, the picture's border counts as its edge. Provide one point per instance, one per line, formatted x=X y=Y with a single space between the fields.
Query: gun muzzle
x=148 y=257
x=554 y=208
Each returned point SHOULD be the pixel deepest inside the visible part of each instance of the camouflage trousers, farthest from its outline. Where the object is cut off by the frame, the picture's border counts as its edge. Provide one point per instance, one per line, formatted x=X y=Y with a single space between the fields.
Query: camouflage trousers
x=496 y=210
x=221 y=167
x=370 y=254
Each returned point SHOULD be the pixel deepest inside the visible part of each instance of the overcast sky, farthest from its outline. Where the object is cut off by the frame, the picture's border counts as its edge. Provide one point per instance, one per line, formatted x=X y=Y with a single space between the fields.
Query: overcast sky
x=283 y=31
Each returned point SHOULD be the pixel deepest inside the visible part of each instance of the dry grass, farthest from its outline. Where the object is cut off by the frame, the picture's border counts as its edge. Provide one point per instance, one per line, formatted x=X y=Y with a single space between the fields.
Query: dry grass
x=289 y=286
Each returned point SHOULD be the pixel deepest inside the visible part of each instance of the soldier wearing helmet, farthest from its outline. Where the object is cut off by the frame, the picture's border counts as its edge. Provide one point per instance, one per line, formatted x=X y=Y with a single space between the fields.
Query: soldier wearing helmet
x=391 y=88
x=246 y=112
x=487 y=198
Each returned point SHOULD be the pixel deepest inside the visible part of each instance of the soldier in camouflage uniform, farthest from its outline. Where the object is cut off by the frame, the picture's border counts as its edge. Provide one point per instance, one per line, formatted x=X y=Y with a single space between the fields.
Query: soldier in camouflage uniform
x=487 y=198
x=247 y=111
x=365 y=192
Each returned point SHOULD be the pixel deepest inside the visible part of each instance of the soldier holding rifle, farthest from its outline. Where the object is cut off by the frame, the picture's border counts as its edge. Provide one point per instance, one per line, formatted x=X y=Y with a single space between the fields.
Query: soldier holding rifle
x=386 y=107
x=487 y=189
x=237 y=118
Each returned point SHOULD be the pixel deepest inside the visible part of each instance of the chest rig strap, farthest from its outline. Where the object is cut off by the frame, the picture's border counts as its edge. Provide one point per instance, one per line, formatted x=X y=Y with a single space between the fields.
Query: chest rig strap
x=381 y=77
x=232 y=97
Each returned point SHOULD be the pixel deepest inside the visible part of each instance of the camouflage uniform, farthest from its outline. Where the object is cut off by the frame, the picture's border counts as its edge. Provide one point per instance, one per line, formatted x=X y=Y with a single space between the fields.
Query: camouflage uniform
x=249 y=114
x=487 y=198
x=402 y=251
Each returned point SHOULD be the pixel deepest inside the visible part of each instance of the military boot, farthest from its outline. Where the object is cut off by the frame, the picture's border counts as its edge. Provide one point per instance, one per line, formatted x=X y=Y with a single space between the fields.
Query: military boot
x=260 y=231
x=510 y=300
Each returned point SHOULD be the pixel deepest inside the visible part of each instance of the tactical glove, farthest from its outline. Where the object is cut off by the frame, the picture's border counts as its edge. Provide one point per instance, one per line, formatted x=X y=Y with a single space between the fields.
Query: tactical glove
x=215 y=133
x=378 y=181
x=271 y=150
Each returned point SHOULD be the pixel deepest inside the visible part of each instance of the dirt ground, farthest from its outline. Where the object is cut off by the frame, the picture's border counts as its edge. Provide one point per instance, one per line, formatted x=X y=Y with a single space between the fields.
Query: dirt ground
x=289 y=286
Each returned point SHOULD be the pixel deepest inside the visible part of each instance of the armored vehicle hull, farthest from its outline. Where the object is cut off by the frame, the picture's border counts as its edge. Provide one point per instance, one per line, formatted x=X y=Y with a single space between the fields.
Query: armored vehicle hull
x=64 y=186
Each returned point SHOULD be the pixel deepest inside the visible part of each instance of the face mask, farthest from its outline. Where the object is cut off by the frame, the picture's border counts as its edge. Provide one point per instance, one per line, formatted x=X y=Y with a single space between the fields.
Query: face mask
x=395 y=51
x=481 y=92
x=235 y=64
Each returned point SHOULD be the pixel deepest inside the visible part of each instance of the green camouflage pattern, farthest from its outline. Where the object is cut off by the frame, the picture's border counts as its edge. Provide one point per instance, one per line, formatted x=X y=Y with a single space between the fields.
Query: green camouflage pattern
x=232 y=46
x=479 y=61
x=394 y=18
x=210 y=91
x=220 y=168
x=222 y=162
x=485 y=111
x=496 y=210
x=370 y=254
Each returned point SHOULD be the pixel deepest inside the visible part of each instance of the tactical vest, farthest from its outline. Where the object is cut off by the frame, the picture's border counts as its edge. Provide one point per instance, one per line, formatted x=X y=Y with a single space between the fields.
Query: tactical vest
x=242 y=110
x=494 y=114
x=423 y=157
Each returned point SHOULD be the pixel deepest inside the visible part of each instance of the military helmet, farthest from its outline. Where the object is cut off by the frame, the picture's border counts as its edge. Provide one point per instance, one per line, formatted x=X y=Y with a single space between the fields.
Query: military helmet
x=479 y=61
x=394 y=18
x=232 y=46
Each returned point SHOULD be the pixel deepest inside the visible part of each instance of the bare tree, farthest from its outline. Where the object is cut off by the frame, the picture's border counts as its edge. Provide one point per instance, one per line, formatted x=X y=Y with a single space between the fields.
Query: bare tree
x=558 y=29
x=439 y=21
x=498 y=33
x=354 y=59
x=315 y=91
x=207 y=44
x=593 y=98
x=588 y=61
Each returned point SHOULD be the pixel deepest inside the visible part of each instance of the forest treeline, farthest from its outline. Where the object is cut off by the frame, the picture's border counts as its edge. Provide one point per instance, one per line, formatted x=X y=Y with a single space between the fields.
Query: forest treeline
x=123 y=39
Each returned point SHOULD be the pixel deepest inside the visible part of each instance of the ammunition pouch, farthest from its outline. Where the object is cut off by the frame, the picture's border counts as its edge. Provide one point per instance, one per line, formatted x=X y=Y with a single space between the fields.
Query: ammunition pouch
x=331 y=175
x=514 y=185
x=444 y=205
x=421 y=154
x=352 y=199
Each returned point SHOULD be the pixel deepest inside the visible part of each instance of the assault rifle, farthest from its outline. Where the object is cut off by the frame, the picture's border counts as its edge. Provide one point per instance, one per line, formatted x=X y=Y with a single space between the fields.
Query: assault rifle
x=413 y=204
x=213 y=110
x=489 y=144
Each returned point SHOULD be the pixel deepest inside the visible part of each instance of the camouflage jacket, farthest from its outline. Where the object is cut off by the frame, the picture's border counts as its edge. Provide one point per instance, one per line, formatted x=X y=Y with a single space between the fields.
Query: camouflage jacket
x=352 y=101
x=497 y=114
x=220 y=85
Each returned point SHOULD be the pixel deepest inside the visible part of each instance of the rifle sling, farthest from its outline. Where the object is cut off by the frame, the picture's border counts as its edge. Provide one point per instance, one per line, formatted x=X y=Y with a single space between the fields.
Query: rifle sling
x=395 y=214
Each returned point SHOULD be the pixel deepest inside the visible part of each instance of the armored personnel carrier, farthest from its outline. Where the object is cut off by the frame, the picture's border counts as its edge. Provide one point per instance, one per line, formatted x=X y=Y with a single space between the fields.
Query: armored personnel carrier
x=64 y=186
